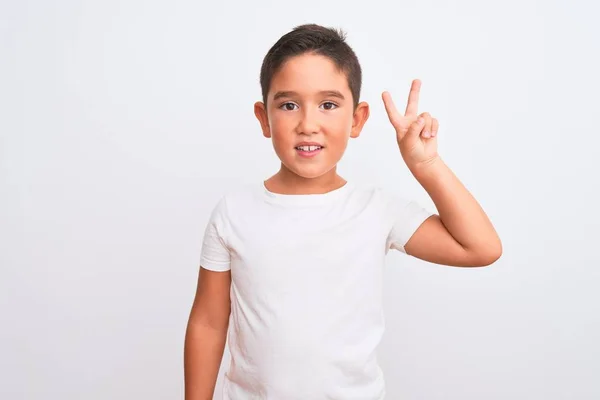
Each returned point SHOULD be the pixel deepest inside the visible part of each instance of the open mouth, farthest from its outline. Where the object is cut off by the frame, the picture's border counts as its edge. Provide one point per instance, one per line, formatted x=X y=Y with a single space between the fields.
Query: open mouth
x=308 y=151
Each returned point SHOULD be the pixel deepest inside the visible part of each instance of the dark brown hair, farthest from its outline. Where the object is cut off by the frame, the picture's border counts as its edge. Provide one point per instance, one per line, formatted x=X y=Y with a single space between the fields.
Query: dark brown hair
x=313 y=39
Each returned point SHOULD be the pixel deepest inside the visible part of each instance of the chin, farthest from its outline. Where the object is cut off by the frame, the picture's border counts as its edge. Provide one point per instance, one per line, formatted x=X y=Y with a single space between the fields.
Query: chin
x=307 y=168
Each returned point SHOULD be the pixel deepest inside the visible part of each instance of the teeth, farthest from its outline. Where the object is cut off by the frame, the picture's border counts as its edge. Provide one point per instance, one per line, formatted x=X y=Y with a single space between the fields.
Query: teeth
x=308 y=148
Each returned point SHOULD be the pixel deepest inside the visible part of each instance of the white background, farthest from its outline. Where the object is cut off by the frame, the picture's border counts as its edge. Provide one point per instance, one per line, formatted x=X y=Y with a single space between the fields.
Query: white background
x=123 y=122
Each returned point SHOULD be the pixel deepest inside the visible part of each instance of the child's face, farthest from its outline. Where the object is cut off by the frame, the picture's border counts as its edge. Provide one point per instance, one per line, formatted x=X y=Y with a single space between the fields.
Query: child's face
x=309 y=101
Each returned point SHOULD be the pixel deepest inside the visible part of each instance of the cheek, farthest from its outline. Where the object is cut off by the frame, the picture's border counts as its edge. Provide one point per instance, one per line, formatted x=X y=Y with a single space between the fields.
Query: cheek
x=340 y=127
x=281 y=137
x=336 y=128
x=281 y=126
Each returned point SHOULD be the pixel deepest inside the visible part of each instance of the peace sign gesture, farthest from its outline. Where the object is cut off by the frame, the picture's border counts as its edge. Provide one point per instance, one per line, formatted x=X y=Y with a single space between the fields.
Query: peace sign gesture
x=416 y=134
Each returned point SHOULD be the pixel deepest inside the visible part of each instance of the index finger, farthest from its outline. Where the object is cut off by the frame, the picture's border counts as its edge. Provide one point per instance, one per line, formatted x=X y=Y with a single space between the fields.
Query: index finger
x=390 y=108
x=412 y=106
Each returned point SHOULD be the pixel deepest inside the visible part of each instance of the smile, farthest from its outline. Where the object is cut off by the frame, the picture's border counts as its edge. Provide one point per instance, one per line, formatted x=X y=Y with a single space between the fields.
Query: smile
x=308 y=151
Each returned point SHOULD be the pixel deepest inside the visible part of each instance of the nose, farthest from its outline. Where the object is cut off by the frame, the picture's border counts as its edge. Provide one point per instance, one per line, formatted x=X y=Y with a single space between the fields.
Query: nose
x=309 y=122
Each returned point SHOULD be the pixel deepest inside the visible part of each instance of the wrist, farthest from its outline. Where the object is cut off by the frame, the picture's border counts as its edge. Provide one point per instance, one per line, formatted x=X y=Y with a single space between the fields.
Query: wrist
x=427 y=167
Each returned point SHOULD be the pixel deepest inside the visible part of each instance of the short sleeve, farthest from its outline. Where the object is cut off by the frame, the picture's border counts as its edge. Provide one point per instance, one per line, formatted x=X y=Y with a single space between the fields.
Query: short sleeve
x=215 y=255
x=407 y=216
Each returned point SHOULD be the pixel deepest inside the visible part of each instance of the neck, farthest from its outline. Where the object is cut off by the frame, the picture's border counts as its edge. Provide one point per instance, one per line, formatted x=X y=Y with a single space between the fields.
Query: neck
x=287 y=182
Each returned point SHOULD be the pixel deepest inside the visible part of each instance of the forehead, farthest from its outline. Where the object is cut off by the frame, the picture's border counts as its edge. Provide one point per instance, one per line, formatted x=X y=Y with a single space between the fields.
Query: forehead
x=309 y=73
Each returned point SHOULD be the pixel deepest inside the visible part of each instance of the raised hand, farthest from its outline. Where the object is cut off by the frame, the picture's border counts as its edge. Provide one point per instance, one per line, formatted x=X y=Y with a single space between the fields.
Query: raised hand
x=416 y=133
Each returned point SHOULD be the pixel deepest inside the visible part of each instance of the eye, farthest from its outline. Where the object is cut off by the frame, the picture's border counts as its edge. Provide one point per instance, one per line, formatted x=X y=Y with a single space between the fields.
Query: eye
x=328 y=105
x=288 y=106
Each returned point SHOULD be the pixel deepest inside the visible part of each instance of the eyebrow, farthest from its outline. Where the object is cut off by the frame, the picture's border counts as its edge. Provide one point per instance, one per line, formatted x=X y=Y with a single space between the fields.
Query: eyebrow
x=330 y=93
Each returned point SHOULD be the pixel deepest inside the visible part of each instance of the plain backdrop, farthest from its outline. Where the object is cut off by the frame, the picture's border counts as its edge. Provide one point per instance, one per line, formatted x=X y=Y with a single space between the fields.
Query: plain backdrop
x=122 y=122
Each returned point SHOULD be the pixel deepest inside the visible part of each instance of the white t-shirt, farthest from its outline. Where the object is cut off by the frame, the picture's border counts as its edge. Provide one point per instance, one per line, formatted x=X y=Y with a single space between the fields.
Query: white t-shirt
x=306 y=293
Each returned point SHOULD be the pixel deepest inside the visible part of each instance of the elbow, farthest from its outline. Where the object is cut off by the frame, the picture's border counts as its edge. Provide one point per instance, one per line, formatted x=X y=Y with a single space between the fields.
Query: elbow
x=489 y=256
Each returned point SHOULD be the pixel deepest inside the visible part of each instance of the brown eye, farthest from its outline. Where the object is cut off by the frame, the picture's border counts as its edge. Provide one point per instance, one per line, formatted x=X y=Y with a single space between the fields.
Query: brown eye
x=288 y=106
x=329 y=105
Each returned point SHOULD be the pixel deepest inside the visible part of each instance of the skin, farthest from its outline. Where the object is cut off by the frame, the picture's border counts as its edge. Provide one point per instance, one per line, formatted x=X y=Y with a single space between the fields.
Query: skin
x=301 y=106
x=461 y=234
x=206 y=334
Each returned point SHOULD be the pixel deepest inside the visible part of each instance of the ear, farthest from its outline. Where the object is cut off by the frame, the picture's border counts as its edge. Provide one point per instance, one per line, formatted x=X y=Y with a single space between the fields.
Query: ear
x=361 y=114
x=261 y=114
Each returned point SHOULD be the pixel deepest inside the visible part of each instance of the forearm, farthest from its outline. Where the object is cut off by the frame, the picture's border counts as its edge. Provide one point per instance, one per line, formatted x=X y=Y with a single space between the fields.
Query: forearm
x=460 y=213
x=204 y=347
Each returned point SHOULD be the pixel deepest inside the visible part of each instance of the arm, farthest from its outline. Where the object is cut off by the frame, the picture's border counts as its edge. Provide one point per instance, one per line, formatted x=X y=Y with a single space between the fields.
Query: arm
x=462 y=234
x=206 y=334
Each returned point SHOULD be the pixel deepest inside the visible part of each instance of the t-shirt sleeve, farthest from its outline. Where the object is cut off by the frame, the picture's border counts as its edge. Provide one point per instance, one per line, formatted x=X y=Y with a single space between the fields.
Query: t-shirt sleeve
x=406 y=216
x=215 y=255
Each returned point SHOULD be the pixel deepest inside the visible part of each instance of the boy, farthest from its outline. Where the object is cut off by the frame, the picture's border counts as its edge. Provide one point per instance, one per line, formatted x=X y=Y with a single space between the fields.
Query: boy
x=292 y=267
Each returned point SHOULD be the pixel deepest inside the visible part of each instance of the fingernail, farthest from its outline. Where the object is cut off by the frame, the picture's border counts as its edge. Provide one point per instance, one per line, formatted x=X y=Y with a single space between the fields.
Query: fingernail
x=426 y=134
x=421 y=121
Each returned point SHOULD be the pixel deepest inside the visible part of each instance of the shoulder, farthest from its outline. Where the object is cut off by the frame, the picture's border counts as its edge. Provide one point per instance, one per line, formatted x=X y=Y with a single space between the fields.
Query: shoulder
x=392 y=205
x=240 y=198
x=376 y=195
